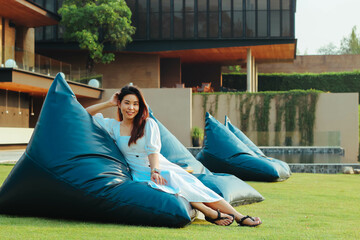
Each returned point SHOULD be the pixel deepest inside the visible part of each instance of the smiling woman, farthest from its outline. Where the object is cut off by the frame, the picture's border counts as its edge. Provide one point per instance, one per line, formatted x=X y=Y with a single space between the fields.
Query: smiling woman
x=138 y=138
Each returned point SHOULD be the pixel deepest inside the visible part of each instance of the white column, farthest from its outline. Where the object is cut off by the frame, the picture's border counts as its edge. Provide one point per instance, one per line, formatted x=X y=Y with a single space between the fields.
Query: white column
x=253 y=74
x=256 y=78
x=249 y=71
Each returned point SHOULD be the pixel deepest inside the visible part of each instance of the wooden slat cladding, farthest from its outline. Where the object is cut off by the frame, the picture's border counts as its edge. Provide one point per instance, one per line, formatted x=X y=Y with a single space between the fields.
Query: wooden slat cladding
x=24 y=13
x=233 y=55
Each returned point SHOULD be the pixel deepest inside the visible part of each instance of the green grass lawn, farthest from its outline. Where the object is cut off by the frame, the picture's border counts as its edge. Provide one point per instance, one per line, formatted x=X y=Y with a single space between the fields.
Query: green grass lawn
x=306 y=206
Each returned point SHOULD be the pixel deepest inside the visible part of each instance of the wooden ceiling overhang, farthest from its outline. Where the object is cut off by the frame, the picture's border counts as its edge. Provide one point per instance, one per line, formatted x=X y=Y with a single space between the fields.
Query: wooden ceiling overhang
x=25 y=13
x=38 y=84
x=233 y=55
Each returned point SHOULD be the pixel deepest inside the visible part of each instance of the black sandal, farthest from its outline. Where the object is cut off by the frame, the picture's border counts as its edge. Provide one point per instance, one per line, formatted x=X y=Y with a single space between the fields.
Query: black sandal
x=242 y=224
x=220 y=218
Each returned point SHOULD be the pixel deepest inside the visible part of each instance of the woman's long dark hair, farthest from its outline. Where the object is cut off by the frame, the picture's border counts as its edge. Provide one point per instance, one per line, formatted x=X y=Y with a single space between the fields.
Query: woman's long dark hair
x=140 y=119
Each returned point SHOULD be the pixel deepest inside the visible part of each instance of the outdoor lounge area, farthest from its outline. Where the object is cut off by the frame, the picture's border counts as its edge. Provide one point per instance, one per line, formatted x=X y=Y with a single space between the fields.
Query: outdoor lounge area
x=295 y=209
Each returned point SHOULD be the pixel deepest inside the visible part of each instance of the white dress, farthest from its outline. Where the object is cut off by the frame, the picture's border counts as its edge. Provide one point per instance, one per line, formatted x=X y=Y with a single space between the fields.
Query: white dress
x=178 y=180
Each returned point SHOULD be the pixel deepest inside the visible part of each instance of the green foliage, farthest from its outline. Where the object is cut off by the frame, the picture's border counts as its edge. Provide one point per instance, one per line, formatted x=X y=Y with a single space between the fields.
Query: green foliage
x=329 y=49
x=327 y=82
x=94 y=23
x=295 y=109
x=197 y=132
x=351 y=44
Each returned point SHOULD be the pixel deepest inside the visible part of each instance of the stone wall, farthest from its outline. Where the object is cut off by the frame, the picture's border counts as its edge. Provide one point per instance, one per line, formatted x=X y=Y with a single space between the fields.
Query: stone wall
x=336 y=122
x=314 y=64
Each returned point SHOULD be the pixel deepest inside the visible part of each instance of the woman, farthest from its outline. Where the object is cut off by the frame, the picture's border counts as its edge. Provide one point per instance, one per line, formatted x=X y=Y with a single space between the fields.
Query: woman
x=138 y=138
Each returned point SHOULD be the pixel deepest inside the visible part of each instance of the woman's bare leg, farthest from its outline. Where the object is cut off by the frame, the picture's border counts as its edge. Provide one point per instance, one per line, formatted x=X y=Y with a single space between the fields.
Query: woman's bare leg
x=225 y=207
x=212 y=213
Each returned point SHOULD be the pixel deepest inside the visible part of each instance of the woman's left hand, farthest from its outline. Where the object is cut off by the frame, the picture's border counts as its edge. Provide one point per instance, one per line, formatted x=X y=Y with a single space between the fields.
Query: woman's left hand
x=158 y=179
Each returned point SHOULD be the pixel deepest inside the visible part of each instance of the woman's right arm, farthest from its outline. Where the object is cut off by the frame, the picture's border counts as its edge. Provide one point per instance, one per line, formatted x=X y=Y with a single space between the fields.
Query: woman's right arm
x=112 y=102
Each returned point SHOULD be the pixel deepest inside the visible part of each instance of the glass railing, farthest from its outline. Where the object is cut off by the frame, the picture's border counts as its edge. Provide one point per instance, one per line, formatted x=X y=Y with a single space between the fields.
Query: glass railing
x=32 y=62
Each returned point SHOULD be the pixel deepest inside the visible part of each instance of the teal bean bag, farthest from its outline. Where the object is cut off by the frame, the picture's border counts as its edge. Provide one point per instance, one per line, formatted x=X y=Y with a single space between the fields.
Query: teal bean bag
x=231 y=188
x=240 y=135
x=73 y=169
x=223 y=152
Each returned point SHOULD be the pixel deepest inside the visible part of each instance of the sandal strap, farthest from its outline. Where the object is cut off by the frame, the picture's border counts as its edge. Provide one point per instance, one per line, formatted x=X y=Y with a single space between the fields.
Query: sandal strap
x=243 y=219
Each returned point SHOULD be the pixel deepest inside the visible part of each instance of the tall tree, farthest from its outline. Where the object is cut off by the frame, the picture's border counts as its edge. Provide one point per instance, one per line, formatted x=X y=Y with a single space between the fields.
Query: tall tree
x=94 y=23
x=351 y=44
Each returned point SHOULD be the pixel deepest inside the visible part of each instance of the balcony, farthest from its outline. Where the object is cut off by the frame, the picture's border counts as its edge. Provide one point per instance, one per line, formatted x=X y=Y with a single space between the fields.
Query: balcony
x=24 y=71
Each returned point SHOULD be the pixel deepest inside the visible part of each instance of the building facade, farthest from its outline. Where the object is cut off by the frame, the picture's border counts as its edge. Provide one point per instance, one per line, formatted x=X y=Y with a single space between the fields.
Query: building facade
x=187 y=41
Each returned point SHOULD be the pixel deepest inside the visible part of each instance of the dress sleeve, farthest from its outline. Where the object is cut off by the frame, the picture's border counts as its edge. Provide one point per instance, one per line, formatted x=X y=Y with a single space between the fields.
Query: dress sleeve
x=107 y=123
x=152 y=137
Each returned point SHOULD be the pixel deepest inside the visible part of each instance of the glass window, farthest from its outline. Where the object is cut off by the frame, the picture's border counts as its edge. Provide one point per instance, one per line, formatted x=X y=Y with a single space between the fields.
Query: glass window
x=50 y=5
x=178 y=25
x=39 y=33
x=286 y=4
x=60 y=30
x=250 y=23
x=49 y=32
x=226 y=24
x=129 y=3
x=202 y=24
x=166 y=21
x=142 y=5
x=202 y=5
x=165 y=5
x=286 y=23
x=238 y=5
x=262 y=5
x=214 y=24
x=238 y=24
x=154 y=19
x=141 y=27
x=226 y=5
x=154 y=25
x=60 y=3
x=262 y=24
x=213 y=5
x=189 y=25
x=275 y=4
x=250 y=5
x=178 y=5
x=39 y=2
x=275 y=23
x=154 y=6
x=189 y=5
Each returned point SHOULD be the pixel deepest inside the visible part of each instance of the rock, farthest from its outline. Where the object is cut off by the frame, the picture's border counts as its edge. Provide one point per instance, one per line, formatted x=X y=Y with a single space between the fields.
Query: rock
x=348 y=170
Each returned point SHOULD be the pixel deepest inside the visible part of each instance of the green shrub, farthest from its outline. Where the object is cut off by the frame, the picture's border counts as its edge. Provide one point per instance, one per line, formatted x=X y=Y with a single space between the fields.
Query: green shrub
x=327 y=82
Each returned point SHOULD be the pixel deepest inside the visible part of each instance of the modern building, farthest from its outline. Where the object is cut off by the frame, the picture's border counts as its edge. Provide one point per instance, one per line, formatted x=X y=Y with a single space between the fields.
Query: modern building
x=188 y=41
x=24 y=75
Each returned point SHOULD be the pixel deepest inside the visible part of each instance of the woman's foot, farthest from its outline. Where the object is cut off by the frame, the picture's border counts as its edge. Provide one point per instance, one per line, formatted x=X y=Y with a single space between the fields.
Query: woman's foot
x=248 y=221
x=221 y=219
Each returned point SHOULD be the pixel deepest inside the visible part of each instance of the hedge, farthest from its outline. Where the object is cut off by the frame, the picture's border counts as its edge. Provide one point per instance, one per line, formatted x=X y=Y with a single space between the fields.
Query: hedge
x=327 y=82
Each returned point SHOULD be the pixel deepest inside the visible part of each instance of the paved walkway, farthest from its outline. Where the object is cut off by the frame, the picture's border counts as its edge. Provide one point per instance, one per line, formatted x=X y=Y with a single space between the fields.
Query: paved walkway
x=10 y=156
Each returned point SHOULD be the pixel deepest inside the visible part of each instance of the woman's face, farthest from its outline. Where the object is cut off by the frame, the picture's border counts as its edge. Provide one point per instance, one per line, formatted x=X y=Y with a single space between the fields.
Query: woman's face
x=129 y=106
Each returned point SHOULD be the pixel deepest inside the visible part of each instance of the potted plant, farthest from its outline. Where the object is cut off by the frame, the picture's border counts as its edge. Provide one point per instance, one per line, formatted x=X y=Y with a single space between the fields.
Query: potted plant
x=197 y=134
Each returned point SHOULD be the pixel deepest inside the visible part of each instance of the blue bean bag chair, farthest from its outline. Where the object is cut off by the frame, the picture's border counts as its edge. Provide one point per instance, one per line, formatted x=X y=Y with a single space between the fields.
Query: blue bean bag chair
x=224 y=152
x=73 y=169
x=240 y=135
x=231 y=188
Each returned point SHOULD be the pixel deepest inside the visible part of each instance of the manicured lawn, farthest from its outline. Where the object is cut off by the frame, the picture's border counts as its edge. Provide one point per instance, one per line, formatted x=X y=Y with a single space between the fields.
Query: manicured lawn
x=306 y=206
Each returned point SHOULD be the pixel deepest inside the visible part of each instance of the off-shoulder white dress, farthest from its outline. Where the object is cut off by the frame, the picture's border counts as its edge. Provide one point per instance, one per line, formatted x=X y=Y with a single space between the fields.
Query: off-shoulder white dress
x=178 y=180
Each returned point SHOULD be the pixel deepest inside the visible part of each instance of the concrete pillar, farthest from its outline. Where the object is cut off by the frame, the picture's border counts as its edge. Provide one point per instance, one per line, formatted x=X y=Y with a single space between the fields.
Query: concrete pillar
x=25 y=40
x=253 y=74
x=249 y=70
x=256 y=78
x=8 y=41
